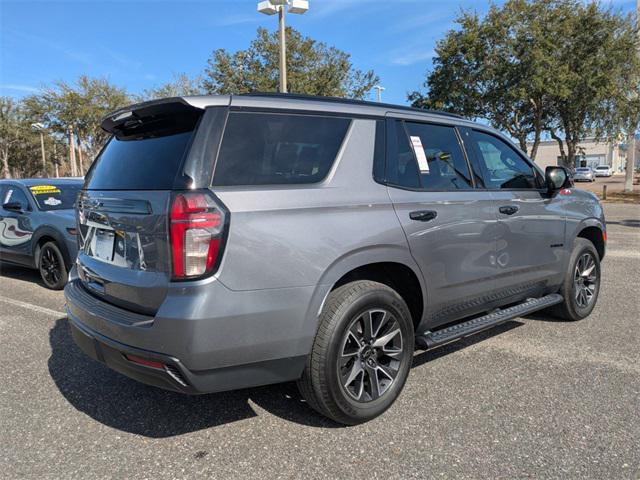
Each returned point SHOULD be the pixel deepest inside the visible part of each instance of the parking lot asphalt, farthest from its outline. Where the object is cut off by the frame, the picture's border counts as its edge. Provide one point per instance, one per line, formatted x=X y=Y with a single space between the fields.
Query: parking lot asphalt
x=533 y=398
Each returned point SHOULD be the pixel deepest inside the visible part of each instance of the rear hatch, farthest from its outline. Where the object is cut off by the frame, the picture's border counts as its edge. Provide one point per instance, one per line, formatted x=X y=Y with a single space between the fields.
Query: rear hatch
x=125 y=255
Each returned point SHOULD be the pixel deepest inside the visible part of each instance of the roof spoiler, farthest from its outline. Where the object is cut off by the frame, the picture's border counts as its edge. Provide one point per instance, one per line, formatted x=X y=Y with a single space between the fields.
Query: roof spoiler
x=129 y=117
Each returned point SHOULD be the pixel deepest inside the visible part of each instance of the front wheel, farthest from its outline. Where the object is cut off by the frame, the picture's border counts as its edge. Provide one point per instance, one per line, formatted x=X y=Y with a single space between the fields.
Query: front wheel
x=581 y=284
x=51 y=266
x=361 y=354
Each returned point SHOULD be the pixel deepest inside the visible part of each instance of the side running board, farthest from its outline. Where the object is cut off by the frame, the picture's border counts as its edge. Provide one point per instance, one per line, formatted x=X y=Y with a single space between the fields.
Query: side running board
x=429 y=340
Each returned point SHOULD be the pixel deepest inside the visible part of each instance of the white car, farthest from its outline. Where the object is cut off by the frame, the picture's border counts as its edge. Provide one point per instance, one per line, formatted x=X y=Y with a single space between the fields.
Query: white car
x=584 y=174
x=603 y=171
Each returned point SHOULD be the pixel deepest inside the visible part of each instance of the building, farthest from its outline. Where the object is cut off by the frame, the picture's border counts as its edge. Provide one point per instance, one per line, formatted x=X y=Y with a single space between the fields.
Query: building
x=593 y=153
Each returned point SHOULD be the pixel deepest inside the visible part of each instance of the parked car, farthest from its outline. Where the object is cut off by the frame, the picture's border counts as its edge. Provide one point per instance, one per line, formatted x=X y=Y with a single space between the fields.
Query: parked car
x=228 y=242
x=603 y=171
x=584 y=174
x=38 y=226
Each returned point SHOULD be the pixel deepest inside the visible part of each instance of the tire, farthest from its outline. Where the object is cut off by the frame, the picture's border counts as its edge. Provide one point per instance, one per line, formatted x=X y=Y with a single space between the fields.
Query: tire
x=51 y=266
x=576 y=306
x=381 y=367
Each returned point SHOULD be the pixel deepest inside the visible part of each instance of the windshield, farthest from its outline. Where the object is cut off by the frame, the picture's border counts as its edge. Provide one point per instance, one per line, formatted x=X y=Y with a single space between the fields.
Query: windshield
x=602 y=168
x=55 y=197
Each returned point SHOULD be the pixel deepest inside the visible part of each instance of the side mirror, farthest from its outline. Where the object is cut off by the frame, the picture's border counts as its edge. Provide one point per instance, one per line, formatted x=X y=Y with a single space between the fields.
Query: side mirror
x=13 y=207
x=556 y=178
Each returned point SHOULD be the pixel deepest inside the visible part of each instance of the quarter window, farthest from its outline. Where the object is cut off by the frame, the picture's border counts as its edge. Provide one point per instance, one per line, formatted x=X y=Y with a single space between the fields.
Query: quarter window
x=428 y=157
x=272 y=148
x=503 y=167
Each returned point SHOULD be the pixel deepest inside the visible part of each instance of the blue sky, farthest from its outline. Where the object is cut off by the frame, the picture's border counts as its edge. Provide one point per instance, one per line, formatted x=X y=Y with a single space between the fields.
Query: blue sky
x=141 y=44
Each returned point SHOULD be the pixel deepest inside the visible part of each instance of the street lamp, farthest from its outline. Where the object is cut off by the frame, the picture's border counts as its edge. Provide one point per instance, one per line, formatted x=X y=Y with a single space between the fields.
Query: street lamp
x=41 y=128
x=379 y=89
x=271 y=7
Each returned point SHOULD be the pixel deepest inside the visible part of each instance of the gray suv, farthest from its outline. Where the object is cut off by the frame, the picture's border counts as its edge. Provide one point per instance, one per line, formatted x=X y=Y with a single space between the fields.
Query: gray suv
x=228 y=242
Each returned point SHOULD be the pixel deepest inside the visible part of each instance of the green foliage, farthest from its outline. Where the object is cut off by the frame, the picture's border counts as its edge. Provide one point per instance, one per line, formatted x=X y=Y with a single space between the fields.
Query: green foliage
x=80 y=106
x=312 y=68
x=530 y=66
x=19 y=143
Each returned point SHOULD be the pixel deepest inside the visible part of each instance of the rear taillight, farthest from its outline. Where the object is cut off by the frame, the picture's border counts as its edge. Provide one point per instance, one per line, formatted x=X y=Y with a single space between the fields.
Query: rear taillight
x=196 y=228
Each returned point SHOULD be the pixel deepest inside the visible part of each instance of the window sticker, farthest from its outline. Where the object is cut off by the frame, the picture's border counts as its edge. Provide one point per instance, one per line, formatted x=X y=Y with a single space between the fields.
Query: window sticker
x=52 y=201
x=416 y=144
x=44 y=189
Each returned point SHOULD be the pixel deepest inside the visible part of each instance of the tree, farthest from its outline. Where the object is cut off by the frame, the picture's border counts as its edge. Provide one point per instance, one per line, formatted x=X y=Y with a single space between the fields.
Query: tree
x=535 y=66
x=599 y=71
x=312 y=68
x=180 y=86
x=19 y=144
x=79 y=107
x=497 y=68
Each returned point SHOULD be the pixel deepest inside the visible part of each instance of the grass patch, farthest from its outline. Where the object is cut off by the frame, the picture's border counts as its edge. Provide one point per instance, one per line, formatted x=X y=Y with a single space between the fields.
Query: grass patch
x=622 y=197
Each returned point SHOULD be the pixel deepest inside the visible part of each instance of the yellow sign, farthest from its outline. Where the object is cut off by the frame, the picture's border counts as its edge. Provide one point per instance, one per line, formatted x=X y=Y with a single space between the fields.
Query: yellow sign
x=44 y=189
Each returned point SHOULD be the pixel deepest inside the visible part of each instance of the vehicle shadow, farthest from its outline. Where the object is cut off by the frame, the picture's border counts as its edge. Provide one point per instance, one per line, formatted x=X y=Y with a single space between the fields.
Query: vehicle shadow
x=119 y=402
x=625 y=223
x=20 y=273
x=457 y=345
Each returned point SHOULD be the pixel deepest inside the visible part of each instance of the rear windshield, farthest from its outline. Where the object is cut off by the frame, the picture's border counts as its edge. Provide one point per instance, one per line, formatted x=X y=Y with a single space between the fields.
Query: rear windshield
x=55 y=197
x=147 y=163
x=271 y=149
x=582 y=169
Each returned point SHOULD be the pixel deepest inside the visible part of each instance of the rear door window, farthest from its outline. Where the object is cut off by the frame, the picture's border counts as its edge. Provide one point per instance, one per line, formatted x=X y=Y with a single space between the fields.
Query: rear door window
x=428 y=157
x=276 y=148
x=55 y=197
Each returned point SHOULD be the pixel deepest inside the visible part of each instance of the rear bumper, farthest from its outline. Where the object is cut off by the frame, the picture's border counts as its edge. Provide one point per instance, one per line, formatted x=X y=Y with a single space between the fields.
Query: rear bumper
x=252 y=338
x=174 y=375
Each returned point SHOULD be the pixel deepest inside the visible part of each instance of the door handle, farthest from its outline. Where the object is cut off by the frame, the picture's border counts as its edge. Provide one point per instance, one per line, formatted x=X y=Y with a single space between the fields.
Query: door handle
x=423 y=215
x=509 y=209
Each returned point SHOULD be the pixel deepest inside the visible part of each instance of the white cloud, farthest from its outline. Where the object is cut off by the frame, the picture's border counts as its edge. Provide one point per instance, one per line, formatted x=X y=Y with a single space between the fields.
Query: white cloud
x=410 y=57
x=19 y=88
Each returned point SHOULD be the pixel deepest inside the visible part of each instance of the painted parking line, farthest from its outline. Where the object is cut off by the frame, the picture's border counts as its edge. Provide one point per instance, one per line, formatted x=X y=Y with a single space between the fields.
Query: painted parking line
x=30 y=306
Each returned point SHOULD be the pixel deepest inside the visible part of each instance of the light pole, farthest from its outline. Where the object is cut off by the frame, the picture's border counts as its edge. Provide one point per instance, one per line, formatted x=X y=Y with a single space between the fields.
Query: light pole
x=379 y=89
x=40 y=128
x=271 y=7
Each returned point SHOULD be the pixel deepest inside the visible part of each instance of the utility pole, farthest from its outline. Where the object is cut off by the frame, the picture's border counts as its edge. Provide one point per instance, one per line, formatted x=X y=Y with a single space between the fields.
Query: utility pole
x=380 y=89
x=271 y=7
x=283 y=51
x=55 y=160
x=40 y=128
x=72 y=153
x=44 y=158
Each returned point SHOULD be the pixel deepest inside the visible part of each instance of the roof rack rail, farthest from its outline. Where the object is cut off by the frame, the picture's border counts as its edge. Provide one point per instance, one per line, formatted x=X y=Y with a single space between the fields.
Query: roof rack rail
x=349 y=101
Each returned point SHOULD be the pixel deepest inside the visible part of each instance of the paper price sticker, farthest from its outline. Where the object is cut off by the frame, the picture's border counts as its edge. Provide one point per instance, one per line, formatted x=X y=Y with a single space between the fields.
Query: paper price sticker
x=44 y=189
x=416 y=144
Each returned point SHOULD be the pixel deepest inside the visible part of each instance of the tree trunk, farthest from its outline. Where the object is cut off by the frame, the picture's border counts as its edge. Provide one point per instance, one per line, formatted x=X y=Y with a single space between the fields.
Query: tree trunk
x=535 y=145
x=80 y=159
x=572 y=152
x=5 y=164
x=537 y=132
x=631 y=162
x=563 y=154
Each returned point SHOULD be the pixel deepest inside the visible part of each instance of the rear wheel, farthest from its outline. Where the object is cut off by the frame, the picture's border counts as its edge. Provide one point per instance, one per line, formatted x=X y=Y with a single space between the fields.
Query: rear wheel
x=51 y=266
x=361 y=355
x=581 y=284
